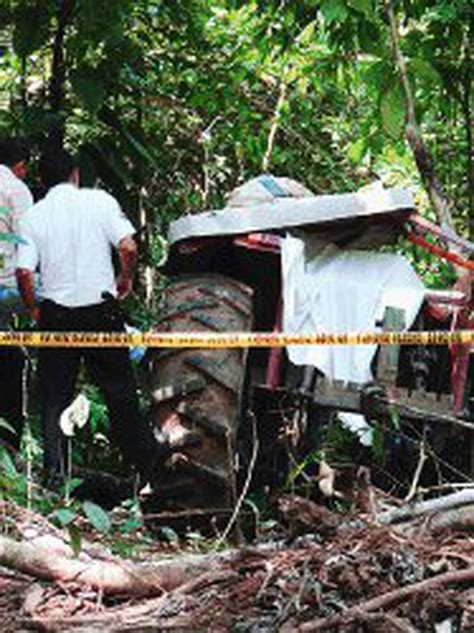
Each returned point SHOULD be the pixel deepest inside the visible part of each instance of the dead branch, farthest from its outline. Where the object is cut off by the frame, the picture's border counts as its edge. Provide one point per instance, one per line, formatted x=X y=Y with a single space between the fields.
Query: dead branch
x=408 y=512
x=245 y=488
x=390 y=598
x=455 y=519
x=133 y=617
x=419 y=469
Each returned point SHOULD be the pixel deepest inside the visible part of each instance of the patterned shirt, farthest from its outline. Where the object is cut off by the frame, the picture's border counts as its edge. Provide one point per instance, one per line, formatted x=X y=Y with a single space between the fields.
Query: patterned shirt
x=15 y=199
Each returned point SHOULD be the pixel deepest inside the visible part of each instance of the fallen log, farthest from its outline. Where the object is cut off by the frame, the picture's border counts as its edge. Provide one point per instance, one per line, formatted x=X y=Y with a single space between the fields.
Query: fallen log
x=389 y=599
x=412 y=511
x=109 y=576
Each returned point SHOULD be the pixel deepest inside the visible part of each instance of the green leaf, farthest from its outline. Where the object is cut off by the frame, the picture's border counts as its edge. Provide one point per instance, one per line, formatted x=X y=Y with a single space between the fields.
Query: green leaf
x=422 y=69
x=378 y=444
x=90 y=91
x=75 y=539
x=394 y=414
x=356 y=151
x=97 y=516
x=65 y=516
x=131 y=525
x=4 y=425
x=392 y=111
x=7 y=464
x=334 y=11
x=169 y=534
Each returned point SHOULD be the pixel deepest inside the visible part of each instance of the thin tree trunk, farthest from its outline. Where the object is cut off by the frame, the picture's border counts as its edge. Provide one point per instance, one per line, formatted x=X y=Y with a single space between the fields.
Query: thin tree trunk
x=58 y=69
x=274 y=126
x=423 y=158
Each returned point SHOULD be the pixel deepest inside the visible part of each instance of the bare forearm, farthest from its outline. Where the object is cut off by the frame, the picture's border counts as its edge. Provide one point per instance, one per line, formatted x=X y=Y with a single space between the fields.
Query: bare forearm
x=128 y=260
x=128 y=263
x=26 y=286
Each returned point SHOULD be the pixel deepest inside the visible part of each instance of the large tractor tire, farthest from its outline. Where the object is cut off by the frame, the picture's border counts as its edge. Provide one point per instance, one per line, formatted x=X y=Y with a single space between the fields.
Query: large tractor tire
x=200 y=391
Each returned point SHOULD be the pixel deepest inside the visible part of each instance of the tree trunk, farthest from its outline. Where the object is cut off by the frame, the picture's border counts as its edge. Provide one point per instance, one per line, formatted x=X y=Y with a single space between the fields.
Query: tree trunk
x=424 y=160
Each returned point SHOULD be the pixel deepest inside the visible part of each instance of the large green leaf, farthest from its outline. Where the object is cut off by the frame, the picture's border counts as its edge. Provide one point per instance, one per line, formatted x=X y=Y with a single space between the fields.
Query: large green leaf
x=392 y=111
x=89 y=89
x=334 y=10
x=97 y=516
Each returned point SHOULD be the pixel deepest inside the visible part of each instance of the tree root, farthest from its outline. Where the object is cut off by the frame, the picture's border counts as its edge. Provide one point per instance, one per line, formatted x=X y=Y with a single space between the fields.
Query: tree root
x=111 y=576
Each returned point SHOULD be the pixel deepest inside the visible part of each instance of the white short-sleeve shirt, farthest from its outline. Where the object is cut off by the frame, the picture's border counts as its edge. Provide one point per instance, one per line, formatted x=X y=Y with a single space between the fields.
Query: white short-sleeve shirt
x=15 y=199
x=69 y=235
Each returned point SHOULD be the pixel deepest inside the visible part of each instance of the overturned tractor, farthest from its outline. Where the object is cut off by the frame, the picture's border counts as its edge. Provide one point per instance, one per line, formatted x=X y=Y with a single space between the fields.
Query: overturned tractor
x=278 y=258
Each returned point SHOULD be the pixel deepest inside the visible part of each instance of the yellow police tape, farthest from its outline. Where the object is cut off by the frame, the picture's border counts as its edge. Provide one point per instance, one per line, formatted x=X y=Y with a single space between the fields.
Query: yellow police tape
x=228 y=340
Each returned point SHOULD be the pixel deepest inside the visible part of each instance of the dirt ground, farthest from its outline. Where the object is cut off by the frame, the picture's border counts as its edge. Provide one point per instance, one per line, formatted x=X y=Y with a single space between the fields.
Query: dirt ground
x=296 y=579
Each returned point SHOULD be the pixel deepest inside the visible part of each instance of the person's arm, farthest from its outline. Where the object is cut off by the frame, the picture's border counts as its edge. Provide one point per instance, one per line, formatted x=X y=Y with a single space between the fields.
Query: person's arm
x=27 y=263
x=26 y=285
x=128 y=253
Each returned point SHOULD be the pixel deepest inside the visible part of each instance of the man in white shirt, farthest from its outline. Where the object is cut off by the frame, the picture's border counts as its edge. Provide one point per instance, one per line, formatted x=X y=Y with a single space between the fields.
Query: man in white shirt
x=15 y=199
x=70 y=236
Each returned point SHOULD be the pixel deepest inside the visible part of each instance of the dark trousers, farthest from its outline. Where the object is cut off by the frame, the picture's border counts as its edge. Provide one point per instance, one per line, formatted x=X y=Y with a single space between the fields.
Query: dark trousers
x=109 y=368
x=12 y=367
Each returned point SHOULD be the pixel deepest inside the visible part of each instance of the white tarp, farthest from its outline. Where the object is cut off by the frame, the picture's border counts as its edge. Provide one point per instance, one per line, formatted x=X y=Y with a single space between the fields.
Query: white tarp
x=343 y=291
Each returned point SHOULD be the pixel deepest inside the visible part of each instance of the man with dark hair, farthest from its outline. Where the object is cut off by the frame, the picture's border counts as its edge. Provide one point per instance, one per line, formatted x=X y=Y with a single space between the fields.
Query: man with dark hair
x=15 y=199
x=70 y=235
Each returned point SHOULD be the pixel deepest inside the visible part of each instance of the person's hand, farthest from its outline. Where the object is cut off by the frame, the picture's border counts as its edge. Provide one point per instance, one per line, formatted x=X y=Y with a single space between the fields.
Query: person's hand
x=124 y=287
x=34 y=314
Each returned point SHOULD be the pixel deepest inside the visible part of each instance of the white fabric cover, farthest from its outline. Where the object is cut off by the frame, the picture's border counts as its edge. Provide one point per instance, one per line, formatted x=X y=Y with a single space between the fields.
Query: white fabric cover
x=343 y=291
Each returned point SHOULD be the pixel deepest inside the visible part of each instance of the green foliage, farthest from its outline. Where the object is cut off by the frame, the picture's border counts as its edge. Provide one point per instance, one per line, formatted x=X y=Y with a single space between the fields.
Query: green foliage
x=170 y=104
